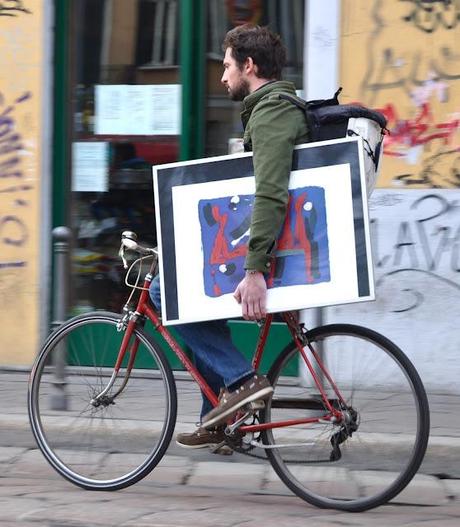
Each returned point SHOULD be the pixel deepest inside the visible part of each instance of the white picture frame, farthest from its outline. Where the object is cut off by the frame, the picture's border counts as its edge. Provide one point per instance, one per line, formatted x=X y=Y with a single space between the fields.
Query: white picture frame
x=323 y=255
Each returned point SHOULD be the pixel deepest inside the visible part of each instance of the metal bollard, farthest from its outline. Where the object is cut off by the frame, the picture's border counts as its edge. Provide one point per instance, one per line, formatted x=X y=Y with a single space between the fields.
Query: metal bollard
x=61 y=239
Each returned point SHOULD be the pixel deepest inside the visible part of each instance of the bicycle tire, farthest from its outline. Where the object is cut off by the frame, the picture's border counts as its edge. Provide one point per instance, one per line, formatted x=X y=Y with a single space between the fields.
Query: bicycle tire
x=381 y=457
x=113 y=445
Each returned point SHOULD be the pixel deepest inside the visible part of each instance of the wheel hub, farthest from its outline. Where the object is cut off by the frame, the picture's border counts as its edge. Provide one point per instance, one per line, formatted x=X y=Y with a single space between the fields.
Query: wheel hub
x=349 y=425
x=105 y=401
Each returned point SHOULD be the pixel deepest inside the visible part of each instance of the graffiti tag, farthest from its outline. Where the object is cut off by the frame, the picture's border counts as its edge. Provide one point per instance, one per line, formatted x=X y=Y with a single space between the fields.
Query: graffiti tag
x=13 y=230
x=396 y=63
x=430 y=175
x=429 y=15
x=427 y=244
x=420 y=130
x=12 y=7
x=423 y=242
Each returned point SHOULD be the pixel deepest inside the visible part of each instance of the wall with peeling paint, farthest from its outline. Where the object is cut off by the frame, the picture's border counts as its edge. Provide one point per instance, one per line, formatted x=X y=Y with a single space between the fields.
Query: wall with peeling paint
x=21 y=133
x=402 y=57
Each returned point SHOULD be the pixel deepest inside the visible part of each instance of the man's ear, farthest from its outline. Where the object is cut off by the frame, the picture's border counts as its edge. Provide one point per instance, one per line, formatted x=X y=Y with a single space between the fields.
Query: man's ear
x=250 y=67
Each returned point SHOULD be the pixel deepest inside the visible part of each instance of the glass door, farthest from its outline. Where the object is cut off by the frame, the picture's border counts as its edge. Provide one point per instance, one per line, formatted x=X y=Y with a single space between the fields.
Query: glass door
x=126 y=99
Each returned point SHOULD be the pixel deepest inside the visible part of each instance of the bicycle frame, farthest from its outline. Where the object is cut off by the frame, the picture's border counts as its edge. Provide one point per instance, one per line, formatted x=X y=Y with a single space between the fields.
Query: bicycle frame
x=145 y=309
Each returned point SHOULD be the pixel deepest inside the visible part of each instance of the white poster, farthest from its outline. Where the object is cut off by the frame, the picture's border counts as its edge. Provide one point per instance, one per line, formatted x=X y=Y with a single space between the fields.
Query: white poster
x=90 y=167
x=126 y=109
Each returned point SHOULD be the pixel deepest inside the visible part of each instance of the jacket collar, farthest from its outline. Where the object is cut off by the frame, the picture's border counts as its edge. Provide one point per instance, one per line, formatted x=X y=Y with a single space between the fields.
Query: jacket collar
x=253 y=98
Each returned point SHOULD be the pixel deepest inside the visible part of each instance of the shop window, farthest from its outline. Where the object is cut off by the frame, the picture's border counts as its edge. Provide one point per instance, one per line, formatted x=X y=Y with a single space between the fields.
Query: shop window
x=284 y=17
x=126 y=118
x=158 y=28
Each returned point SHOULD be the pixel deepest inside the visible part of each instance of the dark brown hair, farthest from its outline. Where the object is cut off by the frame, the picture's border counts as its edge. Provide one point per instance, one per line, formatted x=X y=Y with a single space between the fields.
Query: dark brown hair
x=264 y=47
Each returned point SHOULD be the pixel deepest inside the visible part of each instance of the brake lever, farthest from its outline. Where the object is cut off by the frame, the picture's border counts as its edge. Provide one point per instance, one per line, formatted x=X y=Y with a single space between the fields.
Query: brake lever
x=121 y=254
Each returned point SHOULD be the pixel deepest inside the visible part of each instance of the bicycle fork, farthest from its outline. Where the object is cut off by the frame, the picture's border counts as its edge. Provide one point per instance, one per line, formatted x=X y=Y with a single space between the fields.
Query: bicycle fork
x=127 y=323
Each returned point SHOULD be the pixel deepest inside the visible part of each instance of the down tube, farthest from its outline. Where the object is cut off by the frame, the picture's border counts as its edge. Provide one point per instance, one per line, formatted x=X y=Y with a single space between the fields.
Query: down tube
x=187 y=363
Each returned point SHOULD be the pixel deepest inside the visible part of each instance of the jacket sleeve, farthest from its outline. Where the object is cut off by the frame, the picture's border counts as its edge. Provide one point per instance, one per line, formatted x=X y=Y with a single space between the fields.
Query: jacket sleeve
x=273 y=131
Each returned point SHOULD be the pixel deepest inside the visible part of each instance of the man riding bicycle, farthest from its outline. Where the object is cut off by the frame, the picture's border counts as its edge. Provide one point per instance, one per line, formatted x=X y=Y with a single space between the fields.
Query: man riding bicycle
x=253 y=62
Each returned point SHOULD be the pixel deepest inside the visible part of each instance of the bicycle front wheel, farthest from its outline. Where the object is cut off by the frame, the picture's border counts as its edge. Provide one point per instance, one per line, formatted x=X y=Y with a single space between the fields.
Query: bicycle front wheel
x=112 y=443
x=369 y=457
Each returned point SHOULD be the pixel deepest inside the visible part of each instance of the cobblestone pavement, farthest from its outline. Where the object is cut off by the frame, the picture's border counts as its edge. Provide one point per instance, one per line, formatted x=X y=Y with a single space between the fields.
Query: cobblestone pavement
x=193 y=493
x=202 y=489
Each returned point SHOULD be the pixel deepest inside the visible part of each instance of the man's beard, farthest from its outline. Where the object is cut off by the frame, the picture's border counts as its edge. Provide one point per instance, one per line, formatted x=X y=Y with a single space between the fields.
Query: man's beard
x=239 y=92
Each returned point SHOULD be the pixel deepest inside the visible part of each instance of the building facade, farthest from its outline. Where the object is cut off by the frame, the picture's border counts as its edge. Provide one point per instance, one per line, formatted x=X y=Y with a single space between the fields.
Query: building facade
x=118 y=85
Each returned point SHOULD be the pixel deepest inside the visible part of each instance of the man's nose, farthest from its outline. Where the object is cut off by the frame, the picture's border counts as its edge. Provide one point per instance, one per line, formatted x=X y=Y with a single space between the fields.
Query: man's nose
x=223 y=80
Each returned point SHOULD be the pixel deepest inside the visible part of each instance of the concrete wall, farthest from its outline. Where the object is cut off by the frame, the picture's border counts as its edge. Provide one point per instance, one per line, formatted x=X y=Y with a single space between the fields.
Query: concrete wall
x=22 y=161
x=402 y=57
x=416 y=251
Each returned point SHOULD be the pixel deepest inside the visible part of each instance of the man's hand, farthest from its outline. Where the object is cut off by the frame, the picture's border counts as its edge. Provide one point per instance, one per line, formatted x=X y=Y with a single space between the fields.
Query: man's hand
x=251 y=293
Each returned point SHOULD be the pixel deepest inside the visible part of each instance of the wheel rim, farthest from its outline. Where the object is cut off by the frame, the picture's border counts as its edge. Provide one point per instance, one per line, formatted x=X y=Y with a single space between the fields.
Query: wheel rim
x=100 y=445
x=383 y=452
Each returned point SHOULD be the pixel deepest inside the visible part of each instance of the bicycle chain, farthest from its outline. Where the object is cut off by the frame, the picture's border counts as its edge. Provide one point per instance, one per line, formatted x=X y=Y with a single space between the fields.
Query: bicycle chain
x=296 y=461
x=247 y=451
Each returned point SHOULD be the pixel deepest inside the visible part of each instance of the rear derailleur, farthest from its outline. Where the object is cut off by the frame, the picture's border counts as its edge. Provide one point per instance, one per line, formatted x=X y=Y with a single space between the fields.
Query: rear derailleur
x=349 y=425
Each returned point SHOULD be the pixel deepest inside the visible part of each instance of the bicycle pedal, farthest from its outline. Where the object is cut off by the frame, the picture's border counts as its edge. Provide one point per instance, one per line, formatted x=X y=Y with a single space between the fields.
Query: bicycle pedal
x=222 y=449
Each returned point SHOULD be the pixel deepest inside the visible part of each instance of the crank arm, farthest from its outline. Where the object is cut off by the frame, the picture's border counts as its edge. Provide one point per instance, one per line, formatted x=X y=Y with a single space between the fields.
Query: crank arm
x=231 y=428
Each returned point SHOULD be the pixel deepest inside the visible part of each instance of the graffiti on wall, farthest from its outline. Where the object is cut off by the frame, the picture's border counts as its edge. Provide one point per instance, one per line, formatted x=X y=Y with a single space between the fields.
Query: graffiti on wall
x=14 y=202
x=416 y=239
x=433 y=15
x=13 y=186
x=13 y=8
x=412 y=75
x=416 y=252
x=24 y=32
x=412 y=59
x=402 y=57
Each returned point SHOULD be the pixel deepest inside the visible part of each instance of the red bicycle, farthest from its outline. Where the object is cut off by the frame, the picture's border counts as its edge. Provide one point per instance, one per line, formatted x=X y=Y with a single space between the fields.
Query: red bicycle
x=349 y=433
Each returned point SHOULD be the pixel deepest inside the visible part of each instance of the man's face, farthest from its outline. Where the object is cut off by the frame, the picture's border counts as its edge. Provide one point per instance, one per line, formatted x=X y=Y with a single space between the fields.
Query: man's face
x=233 y=78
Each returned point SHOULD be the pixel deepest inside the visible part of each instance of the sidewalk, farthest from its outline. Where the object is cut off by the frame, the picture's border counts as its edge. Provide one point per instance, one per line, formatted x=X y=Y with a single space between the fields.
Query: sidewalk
x=437 y=482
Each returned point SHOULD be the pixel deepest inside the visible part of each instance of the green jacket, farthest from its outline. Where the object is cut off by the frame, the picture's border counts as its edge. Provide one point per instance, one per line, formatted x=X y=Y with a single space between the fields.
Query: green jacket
x=272 y=127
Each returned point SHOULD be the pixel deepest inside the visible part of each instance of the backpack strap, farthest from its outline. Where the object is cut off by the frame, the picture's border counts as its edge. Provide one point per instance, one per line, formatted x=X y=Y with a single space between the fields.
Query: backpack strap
x=301 y=105
x=309 y=108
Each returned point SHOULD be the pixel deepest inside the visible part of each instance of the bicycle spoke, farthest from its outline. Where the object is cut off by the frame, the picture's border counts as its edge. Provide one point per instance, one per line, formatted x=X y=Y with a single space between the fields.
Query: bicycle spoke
x=383 y=427
x=81 y=441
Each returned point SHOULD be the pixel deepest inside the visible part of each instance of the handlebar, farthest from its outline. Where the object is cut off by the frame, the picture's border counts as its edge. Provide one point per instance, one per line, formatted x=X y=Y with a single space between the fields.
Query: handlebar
x=129 y=242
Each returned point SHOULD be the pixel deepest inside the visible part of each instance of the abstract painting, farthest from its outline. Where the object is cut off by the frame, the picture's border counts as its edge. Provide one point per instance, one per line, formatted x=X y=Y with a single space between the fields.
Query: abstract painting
x=302 y=254
x=203 y=214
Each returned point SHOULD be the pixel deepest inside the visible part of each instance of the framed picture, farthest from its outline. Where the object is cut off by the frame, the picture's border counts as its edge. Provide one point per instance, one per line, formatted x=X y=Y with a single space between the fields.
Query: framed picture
x=203 y=212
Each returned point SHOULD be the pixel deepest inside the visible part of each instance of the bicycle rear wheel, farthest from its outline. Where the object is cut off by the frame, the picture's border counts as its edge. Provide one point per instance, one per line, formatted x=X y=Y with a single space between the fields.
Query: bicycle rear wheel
x=110 y=445
x=368 y=460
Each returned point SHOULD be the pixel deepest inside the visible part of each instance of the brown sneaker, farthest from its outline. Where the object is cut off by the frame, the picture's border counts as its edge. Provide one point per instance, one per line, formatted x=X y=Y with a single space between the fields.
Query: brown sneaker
x=201 y=438
x=255 y=388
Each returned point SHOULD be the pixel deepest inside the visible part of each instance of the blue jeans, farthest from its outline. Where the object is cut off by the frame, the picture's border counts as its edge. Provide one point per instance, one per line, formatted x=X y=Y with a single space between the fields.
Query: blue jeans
x=216 y=357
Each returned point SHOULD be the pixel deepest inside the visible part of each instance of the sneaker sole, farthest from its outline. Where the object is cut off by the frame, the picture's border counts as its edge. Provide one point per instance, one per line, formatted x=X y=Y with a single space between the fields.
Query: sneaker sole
x=219 y=419
x=204 y=445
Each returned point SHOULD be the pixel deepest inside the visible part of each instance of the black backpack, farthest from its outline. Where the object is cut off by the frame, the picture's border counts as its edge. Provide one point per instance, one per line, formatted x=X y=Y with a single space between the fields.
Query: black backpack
x=328 y=119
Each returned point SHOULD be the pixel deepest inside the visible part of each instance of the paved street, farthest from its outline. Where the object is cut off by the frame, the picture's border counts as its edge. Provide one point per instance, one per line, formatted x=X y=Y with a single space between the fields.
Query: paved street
x=203 y=489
